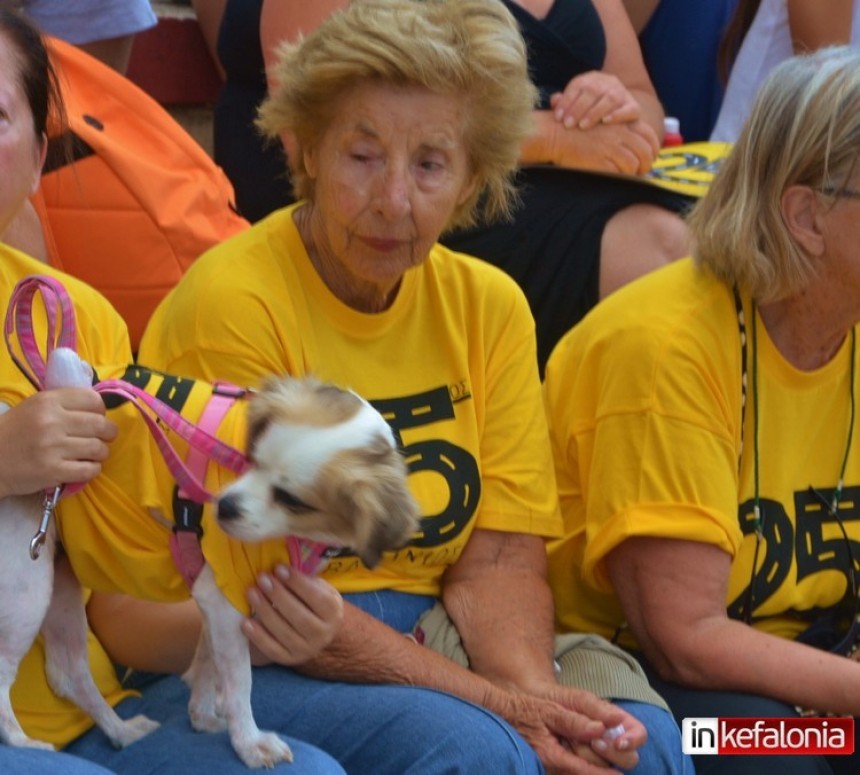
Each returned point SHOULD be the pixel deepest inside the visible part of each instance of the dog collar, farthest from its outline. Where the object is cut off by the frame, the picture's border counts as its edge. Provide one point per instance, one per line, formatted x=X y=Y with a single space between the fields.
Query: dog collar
x=308 y=556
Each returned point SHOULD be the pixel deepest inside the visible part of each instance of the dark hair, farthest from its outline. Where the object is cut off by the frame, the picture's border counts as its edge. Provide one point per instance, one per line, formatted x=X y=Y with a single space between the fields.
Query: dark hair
x=38 y=77
x=734 y=35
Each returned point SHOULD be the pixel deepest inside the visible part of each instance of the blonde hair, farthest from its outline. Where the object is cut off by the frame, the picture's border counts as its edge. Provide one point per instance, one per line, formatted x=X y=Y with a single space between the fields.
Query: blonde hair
x=804 y=129
x=468 y=48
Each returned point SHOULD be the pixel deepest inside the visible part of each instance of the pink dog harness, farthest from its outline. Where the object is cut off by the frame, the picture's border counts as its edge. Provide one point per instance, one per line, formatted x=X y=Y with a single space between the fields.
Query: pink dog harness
x=203 y=446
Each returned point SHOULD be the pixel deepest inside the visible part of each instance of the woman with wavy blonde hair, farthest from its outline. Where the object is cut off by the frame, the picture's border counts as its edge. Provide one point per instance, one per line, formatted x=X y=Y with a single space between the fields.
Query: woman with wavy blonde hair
x=703 y=427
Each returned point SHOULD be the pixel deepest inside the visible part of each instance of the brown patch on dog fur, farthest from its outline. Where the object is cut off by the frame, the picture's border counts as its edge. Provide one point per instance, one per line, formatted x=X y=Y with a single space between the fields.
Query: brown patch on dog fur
x=304 y=401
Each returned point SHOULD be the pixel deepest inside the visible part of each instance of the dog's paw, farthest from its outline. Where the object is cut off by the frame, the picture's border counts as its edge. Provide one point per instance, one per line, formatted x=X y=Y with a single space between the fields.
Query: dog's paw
x=264 y=750
x=133 y=730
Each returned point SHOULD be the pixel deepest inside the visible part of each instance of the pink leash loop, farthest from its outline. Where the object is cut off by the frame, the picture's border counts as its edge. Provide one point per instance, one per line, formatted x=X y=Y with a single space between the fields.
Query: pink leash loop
x=62 y=333
x=19 y=318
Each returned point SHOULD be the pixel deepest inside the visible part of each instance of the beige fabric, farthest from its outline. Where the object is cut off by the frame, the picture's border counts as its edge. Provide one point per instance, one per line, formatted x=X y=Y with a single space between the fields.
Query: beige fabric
x=587 y=662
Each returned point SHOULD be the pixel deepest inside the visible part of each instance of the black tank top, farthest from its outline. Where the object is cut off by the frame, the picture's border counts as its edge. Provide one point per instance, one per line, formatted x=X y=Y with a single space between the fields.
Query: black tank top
x=569 y=41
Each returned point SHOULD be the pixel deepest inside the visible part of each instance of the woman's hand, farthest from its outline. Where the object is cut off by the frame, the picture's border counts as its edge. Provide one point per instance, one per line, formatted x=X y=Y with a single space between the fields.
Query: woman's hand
x=53 y=437
x=568 y=731
x=294 y=617
x=618 y=750
x=617 y=148
x=594 y=98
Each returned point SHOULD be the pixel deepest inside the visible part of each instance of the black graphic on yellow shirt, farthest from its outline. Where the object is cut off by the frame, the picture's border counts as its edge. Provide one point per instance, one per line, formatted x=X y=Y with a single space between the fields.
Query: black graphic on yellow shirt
x=813 y=540
x=167 y=388
x=456 y=465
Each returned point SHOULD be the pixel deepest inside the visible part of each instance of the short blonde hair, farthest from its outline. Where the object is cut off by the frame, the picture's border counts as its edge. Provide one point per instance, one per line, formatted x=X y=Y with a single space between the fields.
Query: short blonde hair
x=468 y=48
x=804 y=129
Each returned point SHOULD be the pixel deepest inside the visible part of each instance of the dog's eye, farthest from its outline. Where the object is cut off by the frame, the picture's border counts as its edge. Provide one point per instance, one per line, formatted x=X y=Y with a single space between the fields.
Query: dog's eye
x=288 y=500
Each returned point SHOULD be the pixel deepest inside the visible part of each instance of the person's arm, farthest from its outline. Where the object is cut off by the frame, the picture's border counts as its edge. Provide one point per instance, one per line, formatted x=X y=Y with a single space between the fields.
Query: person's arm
x=54 y=437
x=498 y=598
x=622 y=91
x=814 y=24
x=640 y=12
x=673 y=594
x=209 y=14
x=606 y=121
x=499 y=586
x=624 y=60
x=114 y=52
x=144 y=634
x=282 y=20
x=367 y=651
x=295 y=616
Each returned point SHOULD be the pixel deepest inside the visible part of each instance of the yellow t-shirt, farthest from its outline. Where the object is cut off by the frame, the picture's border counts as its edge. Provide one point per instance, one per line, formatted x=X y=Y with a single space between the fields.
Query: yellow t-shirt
x=451 y=365
x=644 y=405
x=102 y=338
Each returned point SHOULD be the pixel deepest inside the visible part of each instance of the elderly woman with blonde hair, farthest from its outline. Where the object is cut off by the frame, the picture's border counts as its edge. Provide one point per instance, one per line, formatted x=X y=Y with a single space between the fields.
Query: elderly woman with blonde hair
x=703 y=426
x=402 y=117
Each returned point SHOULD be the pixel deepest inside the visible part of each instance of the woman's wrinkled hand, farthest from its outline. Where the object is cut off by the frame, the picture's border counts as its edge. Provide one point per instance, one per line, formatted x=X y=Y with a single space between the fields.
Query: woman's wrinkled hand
x=615 y=148
x=568 y=730
x=58 y=436
x=626 y=733
x=294 y=617
x=594 y=98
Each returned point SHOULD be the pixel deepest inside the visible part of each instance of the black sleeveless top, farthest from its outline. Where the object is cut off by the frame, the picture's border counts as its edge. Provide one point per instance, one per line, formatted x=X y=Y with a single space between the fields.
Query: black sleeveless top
x=568 y=42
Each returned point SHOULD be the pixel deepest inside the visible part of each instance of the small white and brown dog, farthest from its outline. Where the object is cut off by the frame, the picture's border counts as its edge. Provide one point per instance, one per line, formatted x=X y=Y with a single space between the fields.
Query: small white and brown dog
x=323 y=465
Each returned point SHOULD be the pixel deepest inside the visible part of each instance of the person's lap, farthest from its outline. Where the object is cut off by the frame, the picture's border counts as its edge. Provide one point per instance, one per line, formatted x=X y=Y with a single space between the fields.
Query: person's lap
x=26 y=761
x=694 y=703
x=176 y=747
x=366 y=728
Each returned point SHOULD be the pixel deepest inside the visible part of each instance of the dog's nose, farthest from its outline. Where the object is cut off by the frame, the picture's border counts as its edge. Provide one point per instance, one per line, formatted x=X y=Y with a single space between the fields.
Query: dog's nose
x=228 y=507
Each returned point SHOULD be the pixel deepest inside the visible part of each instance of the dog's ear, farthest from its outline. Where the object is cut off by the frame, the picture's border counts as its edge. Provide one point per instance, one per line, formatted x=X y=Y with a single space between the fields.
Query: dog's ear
x=384 y=523
x=376 y=495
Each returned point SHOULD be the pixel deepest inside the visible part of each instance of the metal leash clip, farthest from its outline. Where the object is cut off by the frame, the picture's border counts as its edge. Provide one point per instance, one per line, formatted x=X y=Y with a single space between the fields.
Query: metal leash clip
x=48 y=506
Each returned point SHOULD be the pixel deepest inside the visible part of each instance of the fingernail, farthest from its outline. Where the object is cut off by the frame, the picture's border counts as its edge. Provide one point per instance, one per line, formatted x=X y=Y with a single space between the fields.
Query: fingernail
x=599 y=745
x=265 y=582
x=282 y=572
x=568 y=123
x=614 y=732
x=253 y=597
x=584 y=124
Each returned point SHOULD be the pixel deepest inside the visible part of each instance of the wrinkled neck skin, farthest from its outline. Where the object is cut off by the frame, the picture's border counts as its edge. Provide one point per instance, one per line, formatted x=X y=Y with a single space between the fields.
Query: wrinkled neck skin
x=809 y=328
x=352 y=291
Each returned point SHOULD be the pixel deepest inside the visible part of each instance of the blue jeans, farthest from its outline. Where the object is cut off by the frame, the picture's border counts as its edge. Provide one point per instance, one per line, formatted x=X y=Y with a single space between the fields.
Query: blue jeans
x=696 y=703
x=378 y=729
x=26 y=761
x=662 y=753
x=175 y=747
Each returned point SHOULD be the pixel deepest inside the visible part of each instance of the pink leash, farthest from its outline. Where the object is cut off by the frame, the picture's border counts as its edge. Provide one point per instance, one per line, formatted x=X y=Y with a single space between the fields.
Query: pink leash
x=307 y=556
x=61 y=332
